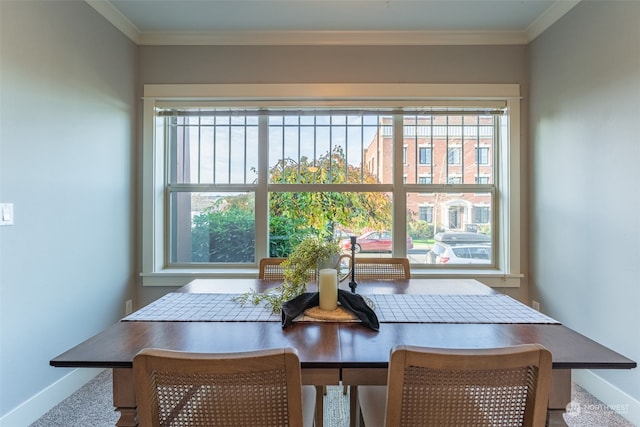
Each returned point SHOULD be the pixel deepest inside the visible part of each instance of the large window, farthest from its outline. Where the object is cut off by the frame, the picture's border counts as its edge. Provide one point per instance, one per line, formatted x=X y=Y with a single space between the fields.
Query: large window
x=230 y=181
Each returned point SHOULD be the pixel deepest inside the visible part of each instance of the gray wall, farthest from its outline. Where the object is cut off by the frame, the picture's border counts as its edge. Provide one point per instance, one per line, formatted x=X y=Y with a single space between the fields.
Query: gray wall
x=67 y=162
x=585 y=151
x=333 y=64
x=69 y=89
x=344 y=64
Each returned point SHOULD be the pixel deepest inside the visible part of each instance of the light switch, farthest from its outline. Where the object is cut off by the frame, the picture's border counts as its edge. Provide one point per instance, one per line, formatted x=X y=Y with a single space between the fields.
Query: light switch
x=6 y=213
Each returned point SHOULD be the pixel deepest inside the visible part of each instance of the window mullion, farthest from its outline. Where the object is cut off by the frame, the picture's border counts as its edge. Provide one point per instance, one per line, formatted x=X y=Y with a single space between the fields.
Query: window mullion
x=337 y=188
x=245 y=131
x=478 y=149
x=399 y=218
x=229 y=136
x=462 y=142
x=213 y=157
x=362 y=163
x=262 y=195
x=346 y=148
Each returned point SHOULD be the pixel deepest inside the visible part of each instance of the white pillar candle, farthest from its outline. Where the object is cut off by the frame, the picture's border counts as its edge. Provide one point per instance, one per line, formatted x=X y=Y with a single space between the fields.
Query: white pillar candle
x=328 y=288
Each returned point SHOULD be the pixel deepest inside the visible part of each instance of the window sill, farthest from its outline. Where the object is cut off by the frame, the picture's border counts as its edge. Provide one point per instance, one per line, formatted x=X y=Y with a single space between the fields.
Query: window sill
x=491 y=278
x=180 y=277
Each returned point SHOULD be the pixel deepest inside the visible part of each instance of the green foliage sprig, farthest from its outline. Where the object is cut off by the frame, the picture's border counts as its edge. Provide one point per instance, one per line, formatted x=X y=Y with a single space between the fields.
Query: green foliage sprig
x=297 y=269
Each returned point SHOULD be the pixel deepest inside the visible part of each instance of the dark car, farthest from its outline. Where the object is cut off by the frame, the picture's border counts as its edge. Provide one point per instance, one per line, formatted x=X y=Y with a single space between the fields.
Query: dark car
x=374 y=241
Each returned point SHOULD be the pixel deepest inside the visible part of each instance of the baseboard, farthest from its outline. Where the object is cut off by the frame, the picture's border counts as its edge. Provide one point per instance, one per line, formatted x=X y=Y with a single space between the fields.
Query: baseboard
x=39 y=404
x=611 y=396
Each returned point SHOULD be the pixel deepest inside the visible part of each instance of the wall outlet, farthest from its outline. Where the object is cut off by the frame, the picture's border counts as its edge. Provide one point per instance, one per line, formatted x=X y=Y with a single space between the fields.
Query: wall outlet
x=536 y=305
x=128 y=307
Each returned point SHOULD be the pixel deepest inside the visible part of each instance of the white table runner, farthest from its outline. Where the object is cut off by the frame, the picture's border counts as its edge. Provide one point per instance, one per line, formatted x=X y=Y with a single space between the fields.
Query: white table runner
x=392 y=308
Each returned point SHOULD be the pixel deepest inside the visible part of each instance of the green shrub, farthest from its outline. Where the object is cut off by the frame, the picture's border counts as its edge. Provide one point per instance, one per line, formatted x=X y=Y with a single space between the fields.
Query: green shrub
x=224 y=234
x=420 y=230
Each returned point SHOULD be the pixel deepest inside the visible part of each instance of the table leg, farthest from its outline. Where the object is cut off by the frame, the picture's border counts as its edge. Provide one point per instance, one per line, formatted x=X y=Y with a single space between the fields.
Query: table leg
x=559 y=397
x=319 y=418
x=354 y=407
x=320 y=378
x=124 y=397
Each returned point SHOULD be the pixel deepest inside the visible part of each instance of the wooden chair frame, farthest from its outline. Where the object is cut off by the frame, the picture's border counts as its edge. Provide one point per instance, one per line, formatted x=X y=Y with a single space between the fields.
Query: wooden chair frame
x=270 y=269
x=216 y=374
x=382 y=268
x=452 y=364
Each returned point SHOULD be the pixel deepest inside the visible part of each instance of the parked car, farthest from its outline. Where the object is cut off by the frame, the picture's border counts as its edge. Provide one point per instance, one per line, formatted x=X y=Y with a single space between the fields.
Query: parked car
x=461 y=237
x=374 y=241
x=442 y=253
x=460 y=248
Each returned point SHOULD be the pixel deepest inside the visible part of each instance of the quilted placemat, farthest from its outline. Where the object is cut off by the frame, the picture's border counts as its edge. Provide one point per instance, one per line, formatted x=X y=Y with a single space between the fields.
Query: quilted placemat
x=392 y=308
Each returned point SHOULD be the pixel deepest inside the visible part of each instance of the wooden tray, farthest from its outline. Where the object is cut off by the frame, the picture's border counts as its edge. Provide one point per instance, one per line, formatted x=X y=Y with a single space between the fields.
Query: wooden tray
x=339 y=314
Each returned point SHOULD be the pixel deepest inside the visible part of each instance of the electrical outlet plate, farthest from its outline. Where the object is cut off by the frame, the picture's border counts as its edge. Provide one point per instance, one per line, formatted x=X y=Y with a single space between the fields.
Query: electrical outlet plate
x=536 y=305
x=128 y=307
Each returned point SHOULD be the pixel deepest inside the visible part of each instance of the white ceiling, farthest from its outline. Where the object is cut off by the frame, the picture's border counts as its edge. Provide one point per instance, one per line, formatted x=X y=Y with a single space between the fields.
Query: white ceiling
x=332 y=22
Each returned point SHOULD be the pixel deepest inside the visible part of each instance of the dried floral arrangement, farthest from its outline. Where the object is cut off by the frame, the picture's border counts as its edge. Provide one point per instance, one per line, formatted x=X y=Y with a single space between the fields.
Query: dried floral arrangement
x=303 y=262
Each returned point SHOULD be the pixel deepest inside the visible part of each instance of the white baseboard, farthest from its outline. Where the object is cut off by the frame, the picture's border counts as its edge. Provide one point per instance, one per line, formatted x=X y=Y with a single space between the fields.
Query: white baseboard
x=39 y=404
x=611 y=396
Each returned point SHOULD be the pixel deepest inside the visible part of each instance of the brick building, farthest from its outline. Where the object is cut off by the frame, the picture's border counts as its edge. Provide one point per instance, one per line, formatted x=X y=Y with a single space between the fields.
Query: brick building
x=447 y=153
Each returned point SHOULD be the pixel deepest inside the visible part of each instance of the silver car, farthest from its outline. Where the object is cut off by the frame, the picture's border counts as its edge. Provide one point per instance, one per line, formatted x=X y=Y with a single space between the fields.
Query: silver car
x=442 y=253
x=460 y=248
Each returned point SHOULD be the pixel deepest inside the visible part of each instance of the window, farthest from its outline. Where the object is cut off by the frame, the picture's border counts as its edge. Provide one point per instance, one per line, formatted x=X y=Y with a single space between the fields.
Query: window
x=454 y=156
x=481 y=214
x=424 y=155
x=243 y=178
x=482 y=155
x=211 y=184
x=426 y=213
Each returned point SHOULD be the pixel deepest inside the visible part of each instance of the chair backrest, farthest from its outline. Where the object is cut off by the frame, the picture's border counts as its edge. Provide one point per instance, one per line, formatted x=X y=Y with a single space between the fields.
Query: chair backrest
x=233 y=389
x=478 y=387
x=382 y=268
x=270 y=269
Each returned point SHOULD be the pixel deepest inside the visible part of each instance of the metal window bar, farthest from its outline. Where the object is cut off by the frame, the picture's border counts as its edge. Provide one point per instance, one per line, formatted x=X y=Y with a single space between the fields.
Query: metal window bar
x=227 y=112
x=215 y=140
x=478 y=150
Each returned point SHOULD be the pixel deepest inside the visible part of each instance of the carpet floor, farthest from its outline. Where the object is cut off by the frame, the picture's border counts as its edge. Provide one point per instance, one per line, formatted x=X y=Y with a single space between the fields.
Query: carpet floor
x=91 y=406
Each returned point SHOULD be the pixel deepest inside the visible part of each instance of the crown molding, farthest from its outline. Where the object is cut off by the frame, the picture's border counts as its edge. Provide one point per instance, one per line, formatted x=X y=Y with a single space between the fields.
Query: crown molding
x=333 y=38
x=556 y=11
x=336 y=38
x=117 y=19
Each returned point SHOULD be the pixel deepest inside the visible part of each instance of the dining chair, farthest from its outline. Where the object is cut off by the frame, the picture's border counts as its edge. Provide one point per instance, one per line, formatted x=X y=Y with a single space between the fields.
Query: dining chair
x=382 y=268
x=270 y=269
x=225 y=389
x=495 y=387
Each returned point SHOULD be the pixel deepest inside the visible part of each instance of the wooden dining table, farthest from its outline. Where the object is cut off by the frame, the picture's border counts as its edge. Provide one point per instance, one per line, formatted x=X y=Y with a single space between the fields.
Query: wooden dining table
x=333 y=353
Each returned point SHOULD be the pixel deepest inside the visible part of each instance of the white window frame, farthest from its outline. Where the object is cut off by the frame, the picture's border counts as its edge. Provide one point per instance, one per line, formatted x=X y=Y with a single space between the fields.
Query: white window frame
x=507 y=272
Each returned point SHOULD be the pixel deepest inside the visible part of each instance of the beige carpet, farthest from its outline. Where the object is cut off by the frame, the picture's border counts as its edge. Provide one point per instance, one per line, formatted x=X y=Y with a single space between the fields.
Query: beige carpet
x=91 y=406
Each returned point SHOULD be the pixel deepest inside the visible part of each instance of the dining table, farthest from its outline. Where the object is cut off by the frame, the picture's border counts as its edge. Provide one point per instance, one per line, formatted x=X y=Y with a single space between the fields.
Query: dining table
x=205 y=316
